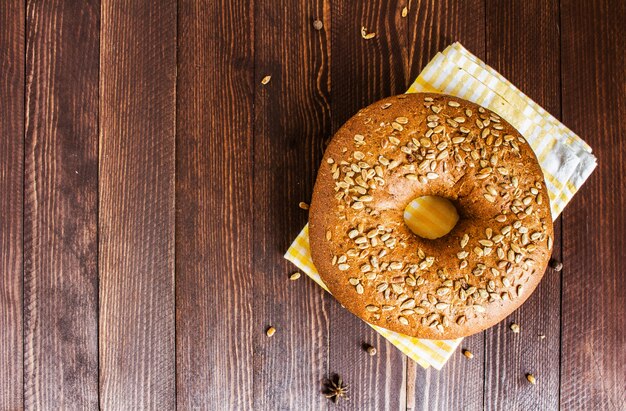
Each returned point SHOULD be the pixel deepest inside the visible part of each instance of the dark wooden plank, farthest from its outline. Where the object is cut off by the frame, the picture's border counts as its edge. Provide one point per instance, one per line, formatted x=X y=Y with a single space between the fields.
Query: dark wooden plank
x=12 y=44
x=363 y=71
x=458 y=386
x=292 y=119
x=214 y=272
x=60 y=206
x=530 y=60
x=593 y=363
x=137 y=166
x=432 y=26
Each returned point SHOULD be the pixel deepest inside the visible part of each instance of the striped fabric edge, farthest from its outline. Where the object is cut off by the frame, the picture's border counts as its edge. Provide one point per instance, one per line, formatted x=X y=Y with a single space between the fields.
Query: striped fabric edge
x=587 y=162
x=517 y=94
x=573 y=163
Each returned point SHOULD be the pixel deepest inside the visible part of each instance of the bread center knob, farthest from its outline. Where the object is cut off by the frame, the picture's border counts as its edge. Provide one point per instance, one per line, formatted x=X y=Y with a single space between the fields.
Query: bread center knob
x=431 y=217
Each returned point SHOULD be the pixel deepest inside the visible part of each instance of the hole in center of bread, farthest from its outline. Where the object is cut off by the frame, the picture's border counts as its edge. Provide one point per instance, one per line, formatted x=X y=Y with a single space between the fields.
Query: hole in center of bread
x=431 y=217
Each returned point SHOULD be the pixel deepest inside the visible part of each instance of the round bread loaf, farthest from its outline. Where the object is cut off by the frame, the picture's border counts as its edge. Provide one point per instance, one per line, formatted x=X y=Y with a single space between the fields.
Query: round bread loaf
x=415 y=145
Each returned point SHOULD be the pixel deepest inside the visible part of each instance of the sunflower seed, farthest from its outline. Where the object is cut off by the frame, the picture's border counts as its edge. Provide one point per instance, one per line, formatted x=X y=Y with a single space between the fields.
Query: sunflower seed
x=452 y=123
x=357 y=205
x=367 y=35
x=294 y=276
x=443 y=291
x=464 y=241
x=479 y=308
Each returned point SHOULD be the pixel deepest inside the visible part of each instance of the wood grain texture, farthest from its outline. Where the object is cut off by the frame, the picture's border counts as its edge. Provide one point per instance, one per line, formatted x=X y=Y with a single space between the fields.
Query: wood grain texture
x=292 y=119
x=137 y=156
x=530 y=60
x=432 y=26
x=214 y=271
x=363 y=71
x=593 y=363
x=459 y=385
x=60 y=206
x=12 y=46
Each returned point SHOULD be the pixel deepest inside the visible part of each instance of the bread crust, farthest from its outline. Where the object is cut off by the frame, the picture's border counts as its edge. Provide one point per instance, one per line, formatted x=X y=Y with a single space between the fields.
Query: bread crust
x=419 y=144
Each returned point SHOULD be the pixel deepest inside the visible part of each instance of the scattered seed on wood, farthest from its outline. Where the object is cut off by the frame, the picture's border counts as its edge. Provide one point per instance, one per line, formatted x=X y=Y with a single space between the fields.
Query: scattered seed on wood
x=270 y=331
x=405 y=11
x=294 y=276
x=468 y=354
x=318 y=25
x=367 y=35
x=556 y=265
x=266 y=80
x=371 y=350
x=542 y=336
x=303 y=205
x=515 y=328
x=531 y=379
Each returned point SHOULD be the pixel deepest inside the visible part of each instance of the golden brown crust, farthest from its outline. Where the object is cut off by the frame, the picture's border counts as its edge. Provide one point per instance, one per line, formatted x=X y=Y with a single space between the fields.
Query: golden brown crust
x=419 y=144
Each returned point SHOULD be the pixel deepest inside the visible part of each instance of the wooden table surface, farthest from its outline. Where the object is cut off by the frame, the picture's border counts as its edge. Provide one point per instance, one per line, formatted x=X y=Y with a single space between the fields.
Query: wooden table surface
x=149 y=186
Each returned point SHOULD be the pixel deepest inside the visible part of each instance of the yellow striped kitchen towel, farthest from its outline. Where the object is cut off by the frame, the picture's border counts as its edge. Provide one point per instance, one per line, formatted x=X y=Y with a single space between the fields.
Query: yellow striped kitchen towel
x=565 y=158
